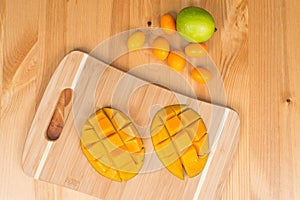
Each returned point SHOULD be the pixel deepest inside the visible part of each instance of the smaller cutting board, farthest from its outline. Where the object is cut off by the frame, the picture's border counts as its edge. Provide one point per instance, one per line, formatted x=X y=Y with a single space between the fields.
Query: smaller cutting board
x=96 y=85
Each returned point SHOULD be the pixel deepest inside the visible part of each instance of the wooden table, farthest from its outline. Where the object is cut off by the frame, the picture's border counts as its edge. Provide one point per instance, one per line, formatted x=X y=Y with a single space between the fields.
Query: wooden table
x=257 y=54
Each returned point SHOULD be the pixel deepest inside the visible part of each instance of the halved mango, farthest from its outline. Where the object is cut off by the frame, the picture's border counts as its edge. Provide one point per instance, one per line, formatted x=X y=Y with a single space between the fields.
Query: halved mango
x=112 y=145
x=179 y=137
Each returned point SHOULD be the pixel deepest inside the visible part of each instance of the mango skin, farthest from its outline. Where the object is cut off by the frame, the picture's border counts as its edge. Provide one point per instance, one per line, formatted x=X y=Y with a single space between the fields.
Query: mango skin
x=180 y=139
x=112 y=145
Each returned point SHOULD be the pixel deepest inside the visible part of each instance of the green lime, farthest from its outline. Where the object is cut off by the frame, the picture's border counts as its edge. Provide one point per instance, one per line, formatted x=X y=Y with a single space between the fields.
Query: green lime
x=195 y=24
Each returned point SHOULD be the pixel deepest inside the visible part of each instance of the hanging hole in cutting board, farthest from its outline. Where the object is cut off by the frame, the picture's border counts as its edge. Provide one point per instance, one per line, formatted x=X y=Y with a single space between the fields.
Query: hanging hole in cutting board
x=60 y=115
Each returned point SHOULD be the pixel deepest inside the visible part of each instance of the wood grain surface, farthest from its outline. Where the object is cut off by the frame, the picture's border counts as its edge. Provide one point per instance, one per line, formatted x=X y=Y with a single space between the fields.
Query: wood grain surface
x=256 y=50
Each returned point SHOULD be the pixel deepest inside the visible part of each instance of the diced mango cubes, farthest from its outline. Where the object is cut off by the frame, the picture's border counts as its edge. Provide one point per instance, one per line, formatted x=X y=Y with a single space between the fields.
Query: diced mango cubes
x=112 y=145
x=192 y=164
x=179 y=138
x=173 y=125
x=181 y=141
x=159 y=135
x=201 y=145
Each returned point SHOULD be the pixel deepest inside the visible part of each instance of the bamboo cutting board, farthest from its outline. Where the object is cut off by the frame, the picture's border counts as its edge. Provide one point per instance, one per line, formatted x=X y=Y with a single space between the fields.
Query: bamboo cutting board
x=95 y=85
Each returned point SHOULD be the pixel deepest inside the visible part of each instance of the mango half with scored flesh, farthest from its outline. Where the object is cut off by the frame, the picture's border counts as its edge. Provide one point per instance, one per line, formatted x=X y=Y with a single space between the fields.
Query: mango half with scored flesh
x=112 y=145
x=180 y=140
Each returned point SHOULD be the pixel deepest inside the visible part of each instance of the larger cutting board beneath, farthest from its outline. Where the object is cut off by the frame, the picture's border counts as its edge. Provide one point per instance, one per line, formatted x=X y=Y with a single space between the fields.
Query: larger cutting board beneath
x=95 y=85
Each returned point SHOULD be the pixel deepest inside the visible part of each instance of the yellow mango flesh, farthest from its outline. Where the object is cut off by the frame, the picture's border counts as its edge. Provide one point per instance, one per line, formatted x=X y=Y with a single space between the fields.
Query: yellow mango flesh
x=180 y=139
x=176 y=169
x=201 y=145
x=101 y=168
x=112 y=145
x=192 y=164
